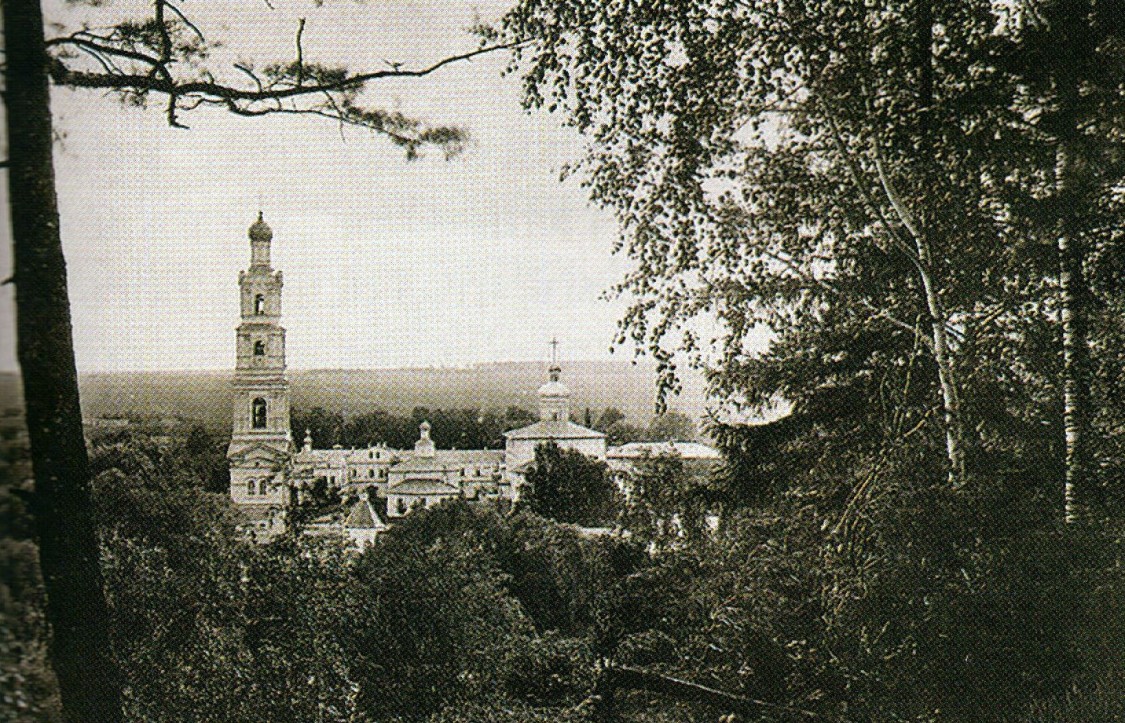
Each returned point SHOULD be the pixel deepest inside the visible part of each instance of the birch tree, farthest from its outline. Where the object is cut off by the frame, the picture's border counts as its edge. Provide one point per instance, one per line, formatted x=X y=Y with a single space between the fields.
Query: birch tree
x=1067 y=55
x=786 y=166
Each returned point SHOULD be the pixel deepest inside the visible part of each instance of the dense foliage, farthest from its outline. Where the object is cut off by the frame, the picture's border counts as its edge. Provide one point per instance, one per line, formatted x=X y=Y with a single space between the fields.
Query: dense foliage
x=853 y=592
x=568 y=486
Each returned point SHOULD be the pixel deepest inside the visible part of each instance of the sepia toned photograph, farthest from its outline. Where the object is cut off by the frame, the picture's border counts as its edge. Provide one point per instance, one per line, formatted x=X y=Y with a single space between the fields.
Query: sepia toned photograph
x=598 y=361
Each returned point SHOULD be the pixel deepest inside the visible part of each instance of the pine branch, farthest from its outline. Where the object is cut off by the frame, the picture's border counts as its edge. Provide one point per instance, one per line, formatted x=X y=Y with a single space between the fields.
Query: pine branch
x=136 y=61
x=63 y=75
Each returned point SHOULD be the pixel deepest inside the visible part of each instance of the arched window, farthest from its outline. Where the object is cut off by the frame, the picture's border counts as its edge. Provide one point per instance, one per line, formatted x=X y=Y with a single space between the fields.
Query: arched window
x=262 y=488
x=258 y=415
x=259 y=348
x=250 y=487
x=400 y=507
x=259 y=304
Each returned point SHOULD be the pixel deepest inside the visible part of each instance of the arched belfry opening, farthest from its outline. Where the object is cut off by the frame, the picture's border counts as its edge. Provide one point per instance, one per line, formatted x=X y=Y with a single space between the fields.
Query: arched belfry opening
x=259 y=304
x=258 y=413
x=259 y=348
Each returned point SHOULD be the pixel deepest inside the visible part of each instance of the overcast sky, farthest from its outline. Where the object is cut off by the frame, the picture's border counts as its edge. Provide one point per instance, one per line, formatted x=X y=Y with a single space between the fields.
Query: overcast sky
x=387 y=262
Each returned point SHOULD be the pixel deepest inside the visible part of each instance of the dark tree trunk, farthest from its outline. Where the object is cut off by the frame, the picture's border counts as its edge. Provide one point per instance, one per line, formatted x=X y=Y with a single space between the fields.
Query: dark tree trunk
x=80 y=649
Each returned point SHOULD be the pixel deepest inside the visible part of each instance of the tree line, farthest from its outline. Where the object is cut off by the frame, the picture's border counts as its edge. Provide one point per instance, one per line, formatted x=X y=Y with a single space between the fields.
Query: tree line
x=471 y=427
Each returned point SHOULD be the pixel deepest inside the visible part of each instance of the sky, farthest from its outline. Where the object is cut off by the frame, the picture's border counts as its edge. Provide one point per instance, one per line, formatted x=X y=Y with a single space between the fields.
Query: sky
x=387 y=263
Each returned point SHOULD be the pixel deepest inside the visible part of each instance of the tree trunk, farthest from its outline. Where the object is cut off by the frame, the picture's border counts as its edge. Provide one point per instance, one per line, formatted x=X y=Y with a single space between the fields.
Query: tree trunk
x=947 y=376
x=80 y=650
x=1079 y=495
x=951 y=400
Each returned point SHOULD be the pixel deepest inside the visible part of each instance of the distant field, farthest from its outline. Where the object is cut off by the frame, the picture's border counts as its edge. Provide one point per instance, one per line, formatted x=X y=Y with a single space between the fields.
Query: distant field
x=205 y=396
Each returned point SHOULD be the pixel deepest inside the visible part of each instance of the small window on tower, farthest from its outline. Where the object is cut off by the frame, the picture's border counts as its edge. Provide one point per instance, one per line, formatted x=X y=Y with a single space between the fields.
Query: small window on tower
x=250 y=487
x=259 y=348
x=258 y=415
x=259 y=304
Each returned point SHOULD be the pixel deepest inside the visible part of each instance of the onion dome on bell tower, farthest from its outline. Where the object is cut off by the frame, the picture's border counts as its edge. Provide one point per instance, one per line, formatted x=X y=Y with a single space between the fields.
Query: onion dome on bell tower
x=260 y=236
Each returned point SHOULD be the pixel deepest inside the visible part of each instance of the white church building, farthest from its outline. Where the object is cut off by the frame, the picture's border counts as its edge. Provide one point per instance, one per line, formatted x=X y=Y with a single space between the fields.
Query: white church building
x=265 y=465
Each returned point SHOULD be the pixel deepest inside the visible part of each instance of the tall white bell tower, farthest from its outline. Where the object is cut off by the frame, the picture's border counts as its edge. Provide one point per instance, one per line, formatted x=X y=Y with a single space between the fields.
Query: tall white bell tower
x=261 y=444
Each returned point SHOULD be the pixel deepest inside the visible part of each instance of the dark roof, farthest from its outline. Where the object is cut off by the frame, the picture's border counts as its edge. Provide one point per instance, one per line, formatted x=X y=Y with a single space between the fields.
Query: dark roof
x=422 y=487
x=363 y=516
x=554 y=430
x=450 y=459
x=685 y=450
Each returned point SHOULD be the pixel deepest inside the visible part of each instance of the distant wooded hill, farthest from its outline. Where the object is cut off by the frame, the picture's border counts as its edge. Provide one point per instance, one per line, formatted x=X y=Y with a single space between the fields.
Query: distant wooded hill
x=205 y=395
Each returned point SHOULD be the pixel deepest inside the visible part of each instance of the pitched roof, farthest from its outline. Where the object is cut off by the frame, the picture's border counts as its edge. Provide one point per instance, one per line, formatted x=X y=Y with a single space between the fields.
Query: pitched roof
x=685 y=450
x=450 y=459
x=363 y=516
x=422 y=487
x=241 y=451
x=320 y=456
x=554 y=430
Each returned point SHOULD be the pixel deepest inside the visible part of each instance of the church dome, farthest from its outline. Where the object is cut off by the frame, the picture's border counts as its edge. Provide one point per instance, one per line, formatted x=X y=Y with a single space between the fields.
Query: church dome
x=554 y=388
x=260 y=230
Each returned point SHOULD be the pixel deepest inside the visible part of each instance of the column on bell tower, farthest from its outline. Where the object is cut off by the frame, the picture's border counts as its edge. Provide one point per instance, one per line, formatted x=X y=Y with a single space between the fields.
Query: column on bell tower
x=261 y=443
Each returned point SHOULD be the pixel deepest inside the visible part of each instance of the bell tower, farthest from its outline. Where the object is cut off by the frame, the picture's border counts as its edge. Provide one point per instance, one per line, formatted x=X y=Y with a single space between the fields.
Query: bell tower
x=261 y=443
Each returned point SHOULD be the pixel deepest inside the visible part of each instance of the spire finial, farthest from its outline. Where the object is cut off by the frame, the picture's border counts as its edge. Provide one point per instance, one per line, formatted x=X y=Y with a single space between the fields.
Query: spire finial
x=554 y=372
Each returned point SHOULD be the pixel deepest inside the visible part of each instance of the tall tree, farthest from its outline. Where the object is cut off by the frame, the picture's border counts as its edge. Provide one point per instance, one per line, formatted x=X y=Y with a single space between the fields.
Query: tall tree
x=164 y=56
x=789 y=166
x=68 y=552
x=872 y=182
x=1067 y=55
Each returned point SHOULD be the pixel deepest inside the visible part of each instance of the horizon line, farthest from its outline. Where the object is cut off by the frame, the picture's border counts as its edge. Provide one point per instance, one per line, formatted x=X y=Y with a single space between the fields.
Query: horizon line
x=632 y=361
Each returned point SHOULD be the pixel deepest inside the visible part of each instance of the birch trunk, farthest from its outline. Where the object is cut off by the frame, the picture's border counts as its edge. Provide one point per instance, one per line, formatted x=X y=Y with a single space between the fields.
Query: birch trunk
x=1079 y=495
x=947 y=375
x=922 y=230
